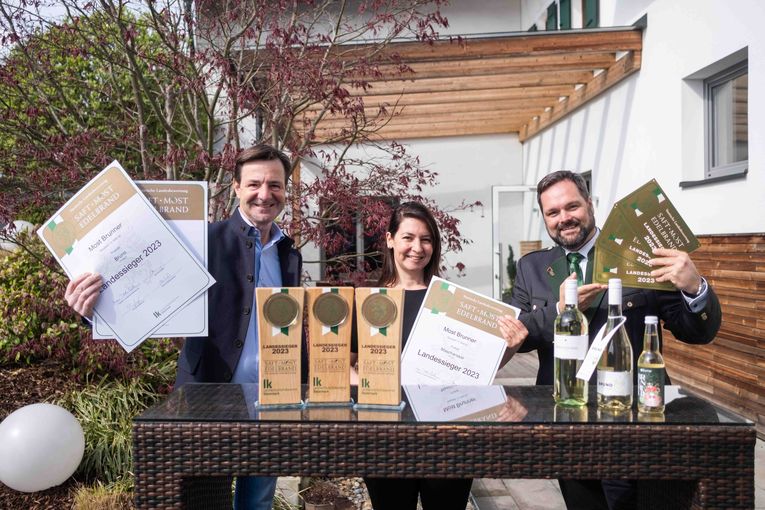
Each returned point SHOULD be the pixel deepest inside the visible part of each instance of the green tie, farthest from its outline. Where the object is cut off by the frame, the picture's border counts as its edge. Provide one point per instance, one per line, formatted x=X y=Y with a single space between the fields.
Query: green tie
x=574 y=258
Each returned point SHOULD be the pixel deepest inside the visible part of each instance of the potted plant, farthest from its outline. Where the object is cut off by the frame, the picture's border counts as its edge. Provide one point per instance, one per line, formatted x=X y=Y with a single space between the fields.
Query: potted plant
x=511 y=272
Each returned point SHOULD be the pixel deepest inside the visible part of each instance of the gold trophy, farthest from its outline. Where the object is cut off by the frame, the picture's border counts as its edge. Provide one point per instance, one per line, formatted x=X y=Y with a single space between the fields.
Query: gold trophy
x=280 y=328
x=329 y=352
x=379 y=312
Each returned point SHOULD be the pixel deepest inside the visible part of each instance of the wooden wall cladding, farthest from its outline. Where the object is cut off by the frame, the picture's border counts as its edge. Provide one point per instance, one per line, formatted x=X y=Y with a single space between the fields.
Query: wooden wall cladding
x=731 y=370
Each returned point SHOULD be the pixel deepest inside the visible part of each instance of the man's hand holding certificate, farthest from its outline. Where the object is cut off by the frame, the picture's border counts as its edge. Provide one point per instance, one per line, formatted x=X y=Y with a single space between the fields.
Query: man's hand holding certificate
x=456 y=338
x=639 y=223
x=110 y=228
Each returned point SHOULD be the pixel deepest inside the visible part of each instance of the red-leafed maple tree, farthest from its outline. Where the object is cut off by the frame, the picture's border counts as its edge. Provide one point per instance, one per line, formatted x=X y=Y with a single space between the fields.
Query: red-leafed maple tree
x=174 y=89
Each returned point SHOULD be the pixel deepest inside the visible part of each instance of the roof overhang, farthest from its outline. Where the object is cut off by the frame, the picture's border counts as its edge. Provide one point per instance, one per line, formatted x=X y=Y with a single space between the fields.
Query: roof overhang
x=514 y=83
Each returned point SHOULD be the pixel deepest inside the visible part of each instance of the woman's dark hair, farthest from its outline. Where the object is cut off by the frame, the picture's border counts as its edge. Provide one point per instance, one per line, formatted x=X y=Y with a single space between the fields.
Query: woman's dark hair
x=389 y=275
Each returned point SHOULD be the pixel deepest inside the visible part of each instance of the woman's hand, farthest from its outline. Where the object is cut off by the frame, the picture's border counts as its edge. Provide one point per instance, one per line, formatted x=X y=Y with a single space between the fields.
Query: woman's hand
x=83 y=292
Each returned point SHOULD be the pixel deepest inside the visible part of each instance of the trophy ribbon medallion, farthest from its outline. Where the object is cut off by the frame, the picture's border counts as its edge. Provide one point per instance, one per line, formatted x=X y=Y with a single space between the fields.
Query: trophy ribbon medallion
x=379 y=310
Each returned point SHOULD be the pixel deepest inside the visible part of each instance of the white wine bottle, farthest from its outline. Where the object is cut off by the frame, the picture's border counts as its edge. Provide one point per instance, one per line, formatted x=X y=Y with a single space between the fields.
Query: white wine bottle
x=570 y=414
x=570 y=348
x=651 y=370
x=615 y=364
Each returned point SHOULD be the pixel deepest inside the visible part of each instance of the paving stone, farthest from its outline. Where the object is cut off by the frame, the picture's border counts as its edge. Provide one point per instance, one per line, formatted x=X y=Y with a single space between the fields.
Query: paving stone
x=497 y=503
x=489 y=487
x=535 y=494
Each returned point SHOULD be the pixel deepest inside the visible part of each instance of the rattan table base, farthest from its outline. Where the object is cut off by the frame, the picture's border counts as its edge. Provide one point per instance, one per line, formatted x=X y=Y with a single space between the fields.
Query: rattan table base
x=190 y=464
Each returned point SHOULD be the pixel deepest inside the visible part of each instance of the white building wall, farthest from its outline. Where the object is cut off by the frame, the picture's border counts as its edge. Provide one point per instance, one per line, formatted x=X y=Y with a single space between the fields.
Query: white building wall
x=482 y=17
x=651 y=125
x=468 y=167
x=613 y=13
x=648 y=126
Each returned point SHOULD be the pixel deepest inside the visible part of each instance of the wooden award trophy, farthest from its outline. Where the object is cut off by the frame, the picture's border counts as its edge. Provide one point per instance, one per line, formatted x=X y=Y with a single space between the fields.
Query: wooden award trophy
x=379 y=313
x=329 y=351
x=280 y=328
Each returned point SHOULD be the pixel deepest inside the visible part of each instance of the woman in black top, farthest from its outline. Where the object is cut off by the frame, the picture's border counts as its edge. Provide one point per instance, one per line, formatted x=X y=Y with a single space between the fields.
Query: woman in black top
x=412 y=258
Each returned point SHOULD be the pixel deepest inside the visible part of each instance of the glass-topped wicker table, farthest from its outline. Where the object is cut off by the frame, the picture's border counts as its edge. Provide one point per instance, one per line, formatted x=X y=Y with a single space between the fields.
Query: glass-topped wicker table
x=188 y=447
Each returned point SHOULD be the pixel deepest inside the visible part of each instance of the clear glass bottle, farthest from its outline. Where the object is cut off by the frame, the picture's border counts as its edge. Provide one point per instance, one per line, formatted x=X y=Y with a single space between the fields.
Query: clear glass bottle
x=651 y=417
x=570 y=414
x=650 y=368
x=615 y=364
x=570 y=347
x=611 y=415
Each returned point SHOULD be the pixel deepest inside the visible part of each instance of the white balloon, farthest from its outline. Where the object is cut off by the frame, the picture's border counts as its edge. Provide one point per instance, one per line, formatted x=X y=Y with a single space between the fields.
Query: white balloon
x=41 y=445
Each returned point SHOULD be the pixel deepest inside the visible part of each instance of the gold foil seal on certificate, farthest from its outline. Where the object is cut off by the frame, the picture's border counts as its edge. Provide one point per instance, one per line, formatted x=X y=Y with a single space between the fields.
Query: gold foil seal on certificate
x=329 y=353
x=281 y=310
x=280 y=343
x=330 y=309
x=379 y=312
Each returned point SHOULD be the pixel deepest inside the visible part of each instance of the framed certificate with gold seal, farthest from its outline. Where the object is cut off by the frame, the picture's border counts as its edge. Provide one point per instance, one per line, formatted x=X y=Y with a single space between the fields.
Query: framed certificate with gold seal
x=111 y=228
x=456 y=338
x=183 y=205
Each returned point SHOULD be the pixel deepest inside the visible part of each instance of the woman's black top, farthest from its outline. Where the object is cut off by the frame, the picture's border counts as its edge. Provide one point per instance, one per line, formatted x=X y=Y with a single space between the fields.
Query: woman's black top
x=412 y=302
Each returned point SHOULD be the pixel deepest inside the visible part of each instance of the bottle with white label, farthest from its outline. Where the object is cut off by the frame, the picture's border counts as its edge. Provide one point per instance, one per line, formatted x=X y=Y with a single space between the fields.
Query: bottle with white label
x=615 y=364
x=651 y=370
x=570 y=347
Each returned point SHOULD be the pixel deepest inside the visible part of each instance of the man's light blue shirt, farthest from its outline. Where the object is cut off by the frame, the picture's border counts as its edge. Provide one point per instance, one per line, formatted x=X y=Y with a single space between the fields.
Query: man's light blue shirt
x=268 y=274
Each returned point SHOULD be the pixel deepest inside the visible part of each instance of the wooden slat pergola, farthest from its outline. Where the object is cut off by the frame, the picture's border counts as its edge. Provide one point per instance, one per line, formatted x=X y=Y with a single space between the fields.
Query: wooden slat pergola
x=517 y=83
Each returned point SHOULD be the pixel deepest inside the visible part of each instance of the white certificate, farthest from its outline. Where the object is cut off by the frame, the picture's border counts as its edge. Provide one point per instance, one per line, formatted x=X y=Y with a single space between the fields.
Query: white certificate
x=449 y=403
x=109 y=227
x=183 y=205
x=455 y=338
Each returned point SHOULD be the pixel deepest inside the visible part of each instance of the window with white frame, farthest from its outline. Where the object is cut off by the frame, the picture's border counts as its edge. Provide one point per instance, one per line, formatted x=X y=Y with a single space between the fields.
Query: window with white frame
x=727 y=132
x=567 y=15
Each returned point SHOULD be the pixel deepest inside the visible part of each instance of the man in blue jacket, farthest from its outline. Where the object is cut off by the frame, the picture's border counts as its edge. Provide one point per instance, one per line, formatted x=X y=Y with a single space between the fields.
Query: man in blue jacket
x=246 y=251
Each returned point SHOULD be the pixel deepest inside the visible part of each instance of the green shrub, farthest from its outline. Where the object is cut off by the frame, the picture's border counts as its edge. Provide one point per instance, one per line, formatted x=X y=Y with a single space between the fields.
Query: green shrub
x=31 y=297
x=105 y=412
x=36 y=323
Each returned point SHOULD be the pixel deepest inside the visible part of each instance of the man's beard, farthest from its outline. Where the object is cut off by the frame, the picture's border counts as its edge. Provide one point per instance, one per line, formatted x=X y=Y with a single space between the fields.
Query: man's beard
x=585 y=229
